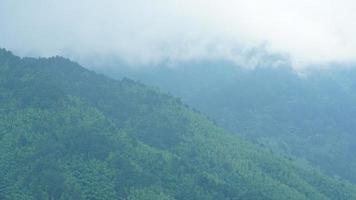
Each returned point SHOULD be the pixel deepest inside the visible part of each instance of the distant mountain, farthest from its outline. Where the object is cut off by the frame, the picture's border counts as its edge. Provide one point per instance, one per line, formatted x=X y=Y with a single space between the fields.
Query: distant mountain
x=310 y=116
x=69 y=133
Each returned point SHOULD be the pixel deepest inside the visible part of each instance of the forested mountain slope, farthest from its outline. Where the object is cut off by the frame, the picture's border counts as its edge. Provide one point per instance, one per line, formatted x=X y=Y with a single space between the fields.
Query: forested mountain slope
x=68 y=133
x=310 y=116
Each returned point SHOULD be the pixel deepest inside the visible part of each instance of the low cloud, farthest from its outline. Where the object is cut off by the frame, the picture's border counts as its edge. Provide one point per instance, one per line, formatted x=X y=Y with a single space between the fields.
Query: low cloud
x=151 y=31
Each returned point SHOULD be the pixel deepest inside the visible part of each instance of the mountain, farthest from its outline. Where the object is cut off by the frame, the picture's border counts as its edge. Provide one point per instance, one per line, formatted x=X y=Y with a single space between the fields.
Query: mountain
x=69 y=133
x=309 y=116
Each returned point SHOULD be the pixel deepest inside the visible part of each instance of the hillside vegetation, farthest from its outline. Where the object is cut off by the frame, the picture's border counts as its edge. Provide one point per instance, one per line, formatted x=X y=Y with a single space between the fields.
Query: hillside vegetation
x=310 y=116
x=68 y=133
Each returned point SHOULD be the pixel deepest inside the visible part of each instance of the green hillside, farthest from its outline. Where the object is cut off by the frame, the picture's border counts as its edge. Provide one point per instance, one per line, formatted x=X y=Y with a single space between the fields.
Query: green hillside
x=68 y=133
x=311 y=117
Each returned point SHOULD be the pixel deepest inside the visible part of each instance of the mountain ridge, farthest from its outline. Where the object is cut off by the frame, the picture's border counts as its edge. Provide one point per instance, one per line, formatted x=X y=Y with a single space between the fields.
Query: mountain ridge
x=308 y=117
x=73 y=134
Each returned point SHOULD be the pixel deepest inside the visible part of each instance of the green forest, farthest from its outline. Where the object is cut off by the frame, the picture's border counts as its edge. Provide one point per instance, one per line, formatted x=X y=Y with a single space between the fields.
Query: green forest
x=310 y=117
x=70 y=133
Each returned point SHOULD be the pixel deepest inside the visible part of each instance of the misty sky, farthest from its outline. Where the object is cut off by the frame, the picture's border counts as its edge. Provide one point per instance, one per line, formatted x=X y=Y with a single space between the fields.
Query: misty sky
x=146 y=31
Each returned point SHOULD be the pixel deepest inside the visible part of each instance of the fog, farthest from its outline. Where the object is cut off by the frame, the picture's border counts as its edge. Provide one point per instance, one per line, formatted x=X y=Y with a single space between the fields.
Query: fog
x=307 y=33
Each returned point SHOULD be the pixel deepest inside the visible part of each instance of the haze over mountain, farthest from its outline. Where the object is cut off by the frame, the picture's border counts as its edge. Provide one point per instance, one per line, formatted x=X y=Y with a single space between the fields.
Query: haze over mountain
x=177 y=100
x=151 y=31
x=68 y=133
x=311 y=117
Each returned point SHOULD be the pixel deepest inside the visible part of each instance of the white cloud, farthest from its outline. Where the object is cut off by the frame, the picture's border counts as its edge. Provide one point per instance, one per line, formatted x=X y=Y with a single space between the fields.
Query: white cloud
x=145 y=31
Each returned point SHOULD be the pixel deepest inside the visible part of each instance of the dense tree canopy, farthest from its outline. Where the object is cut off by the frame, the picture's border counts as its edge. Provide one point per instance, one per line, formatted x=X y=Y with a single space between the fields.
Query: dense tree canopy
x=68 y=133
x=309 y=116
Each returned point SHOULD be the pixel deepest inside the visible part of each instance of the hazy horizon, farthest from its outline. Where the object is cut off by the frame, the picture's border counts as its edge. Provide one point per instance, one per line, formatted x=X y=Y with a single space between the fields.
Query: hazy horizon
x=304 y=33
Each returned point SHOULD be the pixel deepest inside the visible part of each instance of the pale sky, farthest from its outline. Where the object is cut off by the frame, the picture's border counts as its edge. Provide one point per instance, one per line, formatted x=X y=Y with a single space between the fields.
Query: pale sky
x=309 y=32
